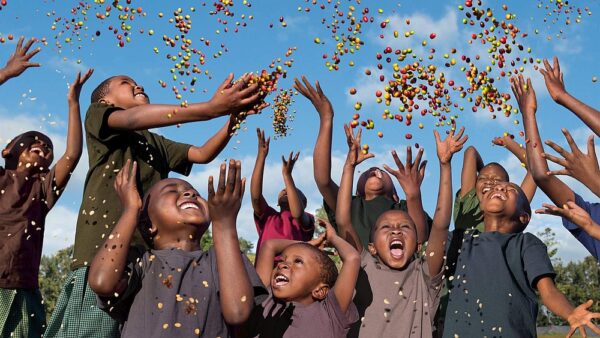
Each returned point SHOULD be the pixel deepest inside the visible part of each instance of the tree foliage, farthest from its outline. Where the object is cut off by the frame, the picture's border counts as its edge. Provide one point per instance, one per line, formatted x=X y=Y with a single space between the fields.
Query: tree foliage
x=53 y=272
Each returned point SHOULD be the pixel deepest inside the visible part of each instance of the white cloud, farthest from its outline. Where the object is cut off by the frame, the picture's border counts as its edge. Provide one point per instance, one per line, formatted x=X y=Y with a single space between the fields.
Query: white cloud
x=60 y=229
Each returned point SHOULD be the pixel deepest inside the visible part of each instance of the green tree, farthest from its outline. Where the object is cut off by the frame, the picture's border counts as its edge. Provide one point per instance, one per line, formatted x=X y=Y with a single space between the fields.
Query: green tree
x=53 y=272
x=206 y=241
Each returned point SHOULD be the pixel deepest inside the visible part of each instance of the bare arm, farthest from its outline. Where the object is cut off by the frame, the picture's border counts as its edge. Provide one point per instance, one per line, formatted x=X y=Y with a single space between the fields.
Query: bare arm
x=472 y=163
x=259 y=204
x=227 y=100
x=443 y=212
x=213 y=147
x=268 y=251
x=556 y=87
x=295 y=204
x=67 y=163
x=236 y=294
x=19 y=61
x=322 y=151
x=558 y=192
x=108 y=267
x=410 y=176
x=575 y=214
x=528 y=185
x=556 y=302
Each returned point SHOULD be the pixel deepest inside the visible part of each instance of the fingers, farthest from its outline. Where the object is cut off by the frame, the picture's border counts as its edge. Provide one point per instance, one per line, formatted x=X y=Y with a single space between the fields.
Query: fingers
x=309 y=87
x=418 y=159
x=437 y=136
x=133 y=172
x=221 y=183
x=557 y=148
x=582 y=331
x=358 y=135
x=319 y=90
x=422 y=170
x=32 y=53
x=462 y=142
x=389 y=170
x=570 y=140
x=28 y=44
x=211 y=188
x=300 y=88
x=227 y=82
x=556 y=67
x=461 y=131
x=593 y=326
x=558 y=172
x=31 y=64
x=296 y=157
x=548 y=67
x=555 y=159
x=231 y=175
x=571 y=332
x=397 y=161
x=87 y=75
x=237 y=185
x=408 y=156
x=249 y=100
x=591 y=148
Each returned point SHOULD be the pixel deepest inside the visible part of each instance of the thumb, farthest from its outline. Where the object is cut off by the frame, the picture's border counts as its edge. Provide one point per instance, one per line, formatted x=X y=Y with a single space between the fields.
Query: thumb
x=227 y=82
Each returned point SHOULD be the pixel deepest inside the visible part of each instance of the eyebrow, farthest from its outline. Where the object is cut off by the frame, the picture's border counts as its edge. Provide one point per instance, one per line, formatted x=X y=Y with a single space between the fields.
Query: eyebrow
x=168 y=186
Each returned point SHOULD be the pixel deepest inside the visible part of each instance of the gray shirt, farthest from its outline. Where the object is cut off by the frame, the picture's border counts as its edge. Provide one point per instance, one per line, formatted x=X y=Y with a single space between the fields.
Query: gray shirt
x=394 y=303
x=174 y=293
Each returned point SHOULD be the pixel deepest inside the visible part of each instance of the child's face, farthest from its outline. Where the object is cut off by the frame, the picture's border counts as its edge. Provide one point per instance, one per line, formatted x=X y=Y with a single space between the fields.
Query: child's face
x=378 y=183
x=504 y=199
x=297 y=276
x=282 y=200
x=38 y=154
x=394 y=239
x=487 y=178
x=125 y=93
x=34 y=152
x=174 y=205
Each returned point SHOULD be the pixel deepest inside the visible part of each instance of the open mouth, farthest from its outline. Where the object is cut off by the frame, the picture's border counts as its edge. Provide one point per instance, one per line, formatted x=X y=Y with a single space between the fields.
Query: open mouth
x=189 y=205
x=141 y=94
x=486 y=190
x=397 y=248
x=281 y=280
x=499 y=196
x=37 y=150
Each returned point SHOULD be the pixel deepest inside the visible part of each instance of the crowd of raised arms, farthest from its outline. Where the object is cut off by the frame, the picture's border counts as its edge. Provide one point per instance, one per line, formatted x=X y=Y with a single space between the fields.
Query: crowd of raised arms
x=138 y=269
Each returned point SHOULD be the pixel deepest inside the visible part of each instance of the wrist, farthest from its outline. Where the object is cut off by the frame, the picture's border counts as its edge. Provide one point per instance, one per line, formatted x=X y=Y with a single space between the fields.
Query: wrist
x=561 y=97
x=412 y=194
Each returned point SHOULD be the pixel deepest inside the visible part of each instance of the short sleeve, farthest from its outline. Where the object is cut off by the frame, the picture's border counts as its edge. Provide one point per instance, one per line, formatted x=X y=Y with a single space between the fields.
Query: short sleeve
x=260 y=291
x=177 y=155
x=49 y=189
x=262 y=220
x=96 y=122
x=340 y=319
x=590 y=243
x=467 y=213
x=536 y=261
x=118 y=306
x=434 y=283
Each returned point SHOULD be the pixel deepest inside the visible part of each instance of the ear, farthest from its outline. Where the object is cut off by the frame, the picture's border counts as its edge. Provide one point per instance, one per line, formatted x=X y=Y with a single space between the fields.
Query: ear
x=524 y=219
x=372 y=249
x=5 y=153
x=320 y=292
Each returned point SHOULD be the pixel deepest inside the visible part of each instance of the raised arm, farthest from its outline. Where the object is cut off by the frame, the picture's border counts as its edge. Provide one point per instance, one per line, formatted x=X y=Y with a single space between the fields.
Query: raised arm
x=295 y=204
x=472 y=163
x=410 y=176
x=344 y=197
x=322 y=152
x=558 y=192
x=528 y=185
x=443 y=212
x=556 y=302
x=19 y=61
x=556 y=87
x=213 y=147
x=108 y=267
x=259 y=204
x=266 y=258
x=228 y=99
x=582 y=167
x=235 y=294
x=67 y=163
x=575 y=214
x=346 y=281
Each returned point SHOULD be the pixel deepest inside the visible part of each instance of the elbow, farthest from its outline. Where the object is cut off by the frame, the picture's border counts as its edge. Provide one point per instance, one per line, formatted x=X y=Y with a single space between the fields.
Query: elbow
x=99 y=284
x=239 y=315
x=539 y=177
x=352 y=258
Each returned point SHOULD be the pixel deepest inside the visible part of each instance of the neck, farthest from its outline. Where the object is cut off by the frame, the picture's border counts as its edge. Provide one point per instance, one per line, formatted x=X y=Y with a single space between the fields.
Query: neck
x=499 y=223
x=184 y=242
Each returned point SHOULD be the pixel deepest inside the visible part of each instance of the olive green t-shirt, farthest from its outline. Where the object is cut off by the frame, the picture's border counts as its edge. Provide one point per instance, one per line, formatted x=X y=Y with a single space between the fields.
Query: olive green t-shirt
x=108 y=150
x=467 y=214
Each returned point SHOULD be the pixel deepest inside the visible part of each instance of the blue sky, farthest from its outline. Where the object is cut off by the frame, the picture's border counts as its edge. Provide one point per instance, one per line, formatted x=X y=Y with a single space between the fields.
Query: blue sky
x=37 y=99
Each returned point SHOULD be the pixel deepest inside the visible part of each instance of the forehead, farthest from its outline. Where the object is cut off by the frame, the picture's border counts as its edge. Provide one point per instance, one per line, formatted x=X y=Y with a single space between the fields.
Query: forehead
x=120 y=78
x=493 y=170
x=394 y=216
x=170 y=181
x=301 y=250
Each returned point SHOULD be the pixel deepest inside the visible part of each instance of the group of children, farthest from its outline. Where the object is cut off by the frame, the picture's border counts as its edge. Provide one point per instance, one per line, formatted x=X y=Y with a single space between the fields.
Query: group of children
x=138 y=270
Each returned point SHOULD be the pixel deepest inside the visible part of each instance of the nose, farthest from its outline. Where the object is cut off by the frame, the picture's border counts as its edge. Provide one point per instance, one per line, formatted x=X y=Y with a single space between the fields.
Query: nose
x=137 y=86
x=500 y=187
x=281 y=265
x=190 y=193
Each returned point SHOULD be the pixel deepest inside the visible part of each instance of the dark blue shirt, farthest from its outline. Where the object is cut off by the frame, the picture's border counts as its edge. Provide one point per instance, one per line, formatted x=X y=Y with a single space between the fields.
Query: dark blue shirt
x=590 y=243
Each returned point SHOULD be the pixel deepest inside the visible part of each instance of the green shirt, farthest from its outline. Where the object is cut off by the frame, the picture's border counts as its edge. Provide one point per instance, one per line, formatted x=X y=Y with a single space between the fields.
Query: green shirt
x=364 y=214
x=108 y=150
x=467 y=214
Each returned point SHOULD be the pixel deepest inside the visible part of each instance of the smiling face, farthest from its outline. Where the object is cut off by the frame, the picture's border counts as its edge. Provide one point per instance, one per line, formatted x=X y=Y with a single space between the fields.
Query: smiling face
x=508 y=201
x=375 y=182
x=174 y=206
x=394 y=239
x=124 y=92
x=488 y=176
x=29 y=151
x=297 y=276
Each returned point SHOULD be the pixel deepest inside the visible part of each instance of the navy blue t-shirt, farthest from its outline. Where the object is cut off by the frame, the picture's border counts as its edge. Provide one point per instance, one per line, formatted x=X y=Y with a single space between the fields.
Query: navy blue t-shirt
x=590 y=243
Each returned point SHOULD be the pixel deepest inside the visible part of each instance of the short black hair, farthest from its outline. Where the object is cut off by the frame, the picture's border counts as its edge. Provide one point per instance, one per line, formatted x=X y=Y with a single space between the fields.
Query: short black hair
x=145 y=224
x=496 y=164
x=329 y=272
x=374 y=226
x=100 y=92
x=523 y=201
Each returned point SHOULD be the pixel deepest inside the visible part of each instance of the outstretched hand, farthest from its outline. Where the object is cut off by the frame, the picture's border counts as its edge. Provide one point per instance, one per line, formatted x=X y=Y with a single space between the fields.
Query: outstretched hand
x=20 y=60
x=225 y=203
x=315 y=95
x=263 y=144
x=235 y=98
x=355 y=154
x=571 y=211
x=75 y=88
x=554 y=79
x=126 y=187
x=581 y=317
x=451 y=145
x=524 y=93
x=409 y=175
x=288 y=165
x=580 y=166
x=324 y=240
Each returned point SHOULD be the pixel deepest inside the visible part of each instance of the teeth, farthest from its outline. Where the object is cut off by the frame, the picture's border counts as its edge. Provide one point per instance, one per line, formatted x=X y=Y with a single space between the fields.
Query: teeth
x=188 y=205
x=486 y=190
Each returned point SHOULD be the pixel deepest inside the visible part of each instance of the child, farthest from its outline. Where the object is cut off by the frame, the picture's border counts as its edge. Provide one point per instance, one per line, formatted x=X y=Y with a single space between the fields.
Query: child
x=493 y=287
x=307 y=296
x=30 y=187
x=291 y=222
x=476 y=176
x=175 y=289
x=375 y=190
x=117 y=124
x=558 y=192
x=398 y=290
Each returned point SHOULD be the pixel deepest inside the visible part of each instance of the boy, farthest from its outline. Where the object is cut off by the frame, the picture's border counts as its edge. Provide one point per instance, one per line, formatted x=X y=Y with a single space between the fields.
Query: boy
x=117 y=124
x=307 y=296
x=175 y=289
x=291 y=222
x=493 y=287
x=398 y=290
x=30 y=187
x=375 y=190
x=558 y=192
x=475 y=176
